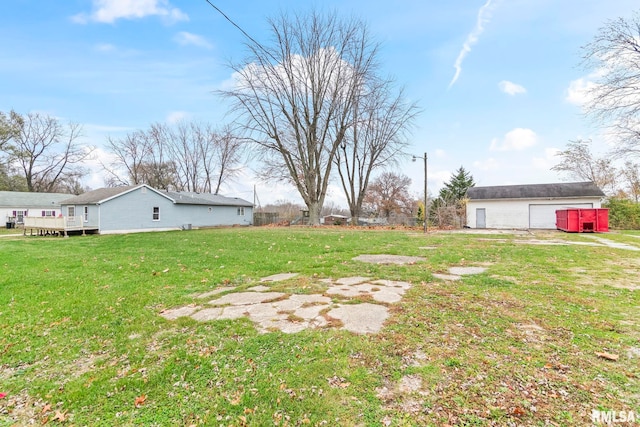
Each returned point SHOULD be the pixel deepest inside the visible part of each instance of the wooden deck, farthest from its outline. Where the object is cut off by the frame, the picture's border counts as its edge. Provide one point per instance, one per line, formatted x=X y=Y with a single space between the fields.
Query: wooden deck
x=45 y=226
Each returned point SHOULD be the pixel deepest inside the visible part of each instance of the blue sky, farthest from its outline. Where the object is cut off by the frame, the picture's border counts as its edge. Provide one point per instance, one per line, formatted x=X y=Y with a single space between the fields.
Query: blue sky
x=498 y=81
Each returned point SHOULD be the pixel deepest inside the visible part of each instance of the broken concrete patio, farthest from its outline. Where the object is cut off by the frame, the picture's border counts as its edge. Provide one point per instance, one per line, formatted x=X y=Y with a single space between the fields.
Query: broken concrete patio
x=292 y=313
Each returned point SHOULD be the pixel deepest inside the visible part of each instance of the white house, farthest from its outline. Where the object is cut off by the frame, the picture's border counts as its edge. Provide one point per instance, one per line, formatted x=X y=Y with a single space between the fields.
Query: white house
x=16 y=205
x=527 y=206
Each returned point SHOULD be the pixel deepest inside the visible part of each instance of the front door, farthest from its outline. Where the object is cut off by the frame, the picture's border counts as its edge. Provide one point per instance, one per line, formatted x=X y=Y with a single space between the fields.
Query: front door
x=481 y=218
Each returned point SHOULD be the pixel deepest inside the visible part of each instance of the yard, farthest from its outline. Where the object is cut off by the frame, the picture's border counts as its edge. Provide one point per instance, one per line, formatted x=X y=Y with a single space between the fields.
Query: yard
x=545 y=336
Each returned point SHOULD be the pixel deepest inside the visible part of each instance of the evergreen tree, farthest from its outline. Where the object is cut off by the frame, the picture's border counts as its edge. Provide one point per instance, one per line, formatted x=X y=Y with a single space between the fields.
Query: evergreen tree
x=449 y=208
x=457 y=187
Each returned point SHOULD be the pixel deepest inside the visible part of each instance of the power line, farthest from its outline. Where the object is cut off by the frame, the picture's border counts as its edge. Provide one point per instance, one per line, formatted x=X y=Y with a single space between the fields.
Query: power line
x=237 y=26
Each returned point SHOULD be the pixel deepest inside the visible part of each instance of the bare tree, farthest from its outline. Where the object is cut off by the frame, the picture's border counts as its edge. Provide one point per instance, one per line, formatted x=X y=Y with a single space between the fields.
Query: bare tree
x=388 y=195
x=614 y=54
x=131 y=153
x=295 y=97
x=579 y=163
x=631 y=177
x=186 y=157
x=46 y=151
x=376 y=136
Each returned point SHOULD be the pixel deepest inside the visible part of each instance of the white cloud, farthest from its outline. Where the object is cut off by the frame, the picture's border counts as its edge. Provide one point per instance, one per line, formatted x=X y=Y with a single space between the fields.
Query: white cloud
x=440 y=153
x=484 y=16
x=109 y=11
x=184 y=38
x=486 y=165
x=548 y=160
x=176 y=116
x=579 y=91
x=515 y=140
x=511 y=88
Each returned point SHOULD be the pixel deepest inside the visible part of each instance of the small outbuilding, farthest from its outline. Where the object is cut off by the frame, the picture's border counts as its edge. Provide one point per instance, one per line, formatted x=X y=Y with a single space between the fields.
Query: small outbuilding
x=143 y=208
x=527 y=206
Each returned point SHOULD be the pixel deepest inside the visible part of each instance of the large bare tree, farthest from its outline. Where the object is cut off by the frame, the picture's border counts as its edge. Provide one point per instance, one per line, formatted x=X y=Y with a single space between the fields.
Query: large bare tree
x=295 y=96
x=577 y=162
x=380 y=119
x=614 y=56
x=46 y=152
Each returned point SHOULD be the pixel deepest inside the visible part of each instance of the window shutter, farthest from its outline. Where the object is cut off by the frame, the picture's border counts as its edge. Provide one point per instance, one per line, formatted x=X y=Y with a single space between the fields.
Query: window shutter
x=14 y=213
x=43 y=213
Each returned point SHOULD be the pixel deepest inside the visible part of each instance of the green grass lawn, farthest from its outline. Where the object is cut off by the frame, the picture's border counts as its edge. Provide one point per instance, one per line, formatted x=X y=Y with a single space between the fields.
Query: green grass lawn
x=82 y=341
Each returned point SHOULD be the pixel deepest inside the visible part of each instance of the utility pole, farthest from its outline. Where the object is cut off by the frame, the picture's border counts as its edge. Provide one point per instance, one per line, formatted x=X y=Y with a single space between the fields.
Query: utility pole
x=425 y=189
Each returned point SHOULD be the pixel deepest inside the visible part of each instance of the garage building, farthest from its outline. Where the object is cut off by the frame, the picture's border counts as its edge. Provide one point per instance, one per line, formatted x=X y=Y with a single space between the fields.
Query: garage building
x=527 y=206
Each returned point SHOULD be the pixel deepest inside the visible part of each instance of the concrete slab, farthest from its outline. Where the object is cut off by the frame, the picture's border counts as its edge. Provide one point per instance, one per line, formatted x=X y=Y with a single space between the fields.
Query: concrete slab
x=263 y=312
x=217 y=291
x=464 y=271
x=310 y=299
x=348 y=281
x=279 y=277
x=612 y=244
x=233 y=312
x=246 y=298
x=174 y=313
x=286 y=326
x=447 y=277
x=259 y=288
x=346 y=291
x=310 y=313
x=388 y=259
x=393 y=284
x=361 y=318
x=287 y=305
x=207 y=314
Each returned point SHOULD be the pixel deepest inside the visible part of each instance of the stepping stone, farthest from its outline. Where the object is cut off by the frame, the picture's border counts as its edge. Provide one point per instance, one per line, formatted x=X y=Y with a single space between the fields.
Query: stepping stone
x=246 y=298
x=174 y=313
x=279 y=277
x=259 y=288
x=462 y=271
x=361 y=318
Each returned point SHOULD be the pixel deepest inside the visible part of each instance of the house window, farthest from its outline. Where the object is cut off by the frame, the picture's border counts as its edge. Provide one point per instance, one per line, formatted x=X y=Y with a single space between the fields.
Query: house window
x=241 y=211
x=156 y=213
x=86 y=214
x=71 y=211
x=48 y=213
x=19 y=216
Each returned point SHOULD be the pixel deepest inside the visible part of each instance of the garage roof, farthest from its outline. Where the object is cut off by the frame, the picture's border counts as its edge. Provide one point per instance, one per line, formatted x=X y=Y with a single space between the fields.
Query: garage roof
x=536 y=191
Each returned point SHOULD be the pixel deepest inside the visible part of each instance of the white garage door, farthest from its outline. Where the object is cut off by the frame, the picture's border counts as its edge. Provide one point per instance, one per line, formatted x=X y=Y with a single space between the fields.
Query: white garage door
x=544 y=216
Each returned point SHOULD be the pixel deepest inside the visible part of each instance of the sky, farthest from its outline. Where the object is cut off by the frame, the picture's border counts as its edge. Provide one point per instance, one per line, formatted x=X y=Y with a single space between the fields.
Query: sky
x=499 y=83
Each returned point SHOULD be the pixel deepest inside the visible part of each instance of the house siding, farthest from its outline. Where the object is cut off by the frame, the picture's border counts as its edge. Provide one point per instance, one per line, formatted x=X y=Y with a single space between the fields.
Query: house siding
x=514 y=213
x=134 y=211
